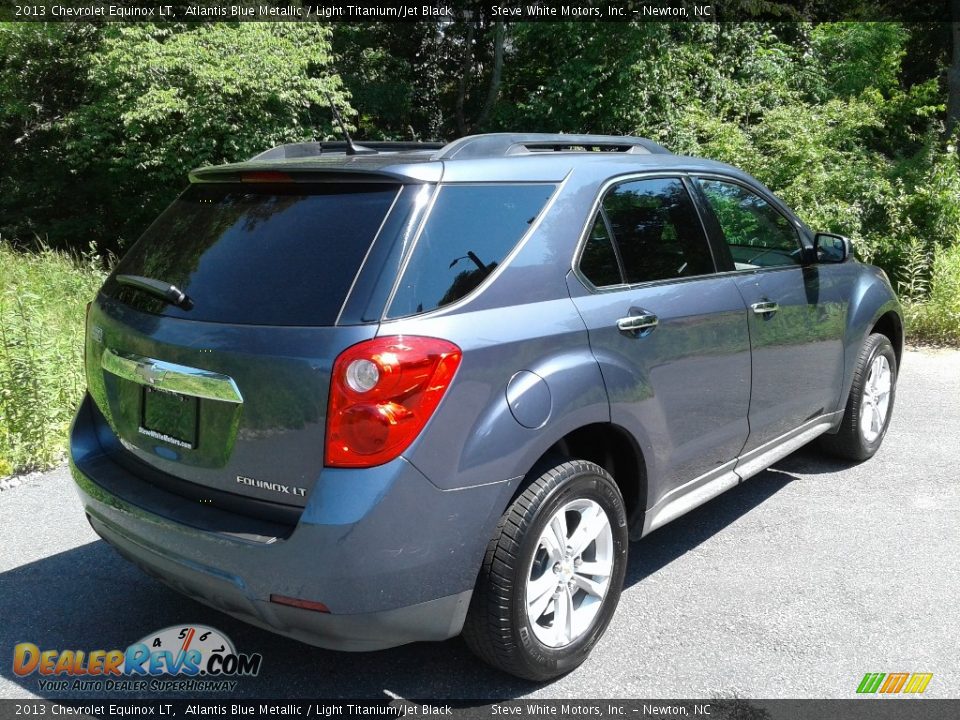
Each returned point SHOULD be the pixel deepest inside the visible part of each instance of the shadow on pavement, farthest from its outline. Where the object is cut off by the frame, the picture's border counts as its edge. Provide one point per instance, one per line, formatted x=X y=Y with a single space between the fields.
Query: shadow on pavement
x=89 y=598
x=811 y=461
x=666 y=544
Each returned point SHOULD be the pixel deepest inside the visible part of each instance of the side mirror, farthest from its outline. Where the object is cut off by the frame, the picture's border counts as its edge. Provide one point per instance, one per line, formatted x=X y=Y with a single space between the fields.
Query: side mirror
x=831 y=248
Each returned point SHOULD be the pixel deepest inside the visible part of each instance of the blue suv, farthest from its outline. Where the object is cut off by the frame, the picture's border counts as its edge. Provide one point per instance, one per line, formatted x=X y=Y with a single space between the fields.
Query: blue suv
x=369 y=396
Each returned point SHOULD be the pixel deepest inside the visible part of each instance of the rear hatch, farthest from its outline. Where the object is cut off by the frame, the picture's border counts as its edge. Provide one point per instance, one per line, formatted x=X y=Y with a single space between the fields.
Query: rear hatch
x=222 y=397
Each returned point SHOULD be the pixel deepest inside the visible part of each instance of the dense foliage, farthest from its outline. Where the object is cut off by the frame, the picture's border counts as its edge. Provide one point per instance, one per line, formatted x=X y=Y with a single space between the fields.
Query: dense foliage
x=99 y=125
x=105 y=122
x=845 y=120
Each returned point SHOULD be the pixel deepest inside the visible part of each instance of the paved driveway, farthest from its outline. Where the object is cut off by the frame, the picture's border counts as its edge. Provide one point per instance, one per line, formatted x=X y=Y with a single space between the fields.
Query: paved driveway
x=793 y=584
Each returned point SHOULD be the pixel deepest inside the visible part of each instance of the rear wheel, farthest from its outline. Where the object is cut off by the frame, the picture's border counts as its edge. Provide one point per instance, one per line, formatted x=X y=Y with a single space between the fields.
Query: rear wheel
x=552 y=574
x=870 y=404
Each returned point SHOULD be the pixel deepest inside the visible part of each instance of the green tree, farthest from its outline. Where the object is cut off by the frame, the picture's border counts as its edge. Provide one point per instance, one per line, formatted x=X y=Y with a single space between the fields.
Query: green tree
x=156 y=101
x=43 y=77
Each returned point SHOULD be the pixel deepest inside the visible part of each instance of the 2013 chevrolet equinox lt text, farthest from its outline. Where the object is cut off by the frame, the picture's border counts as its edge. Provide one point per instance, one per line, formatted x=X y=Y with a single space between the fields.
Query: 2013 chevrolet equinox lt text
x=368 y=396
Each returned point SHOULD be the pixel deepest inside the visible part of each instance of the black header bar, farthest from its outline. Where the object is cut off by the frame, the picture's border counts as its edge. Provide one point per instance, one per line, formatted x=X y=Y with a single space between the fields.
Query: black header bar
x=199 y=11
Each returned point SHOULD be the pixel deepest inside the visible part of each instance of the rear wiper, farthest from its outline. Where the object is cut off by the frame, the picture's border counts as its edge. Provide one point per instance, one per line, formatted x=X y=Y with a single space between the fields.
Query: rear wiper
x=163 y=290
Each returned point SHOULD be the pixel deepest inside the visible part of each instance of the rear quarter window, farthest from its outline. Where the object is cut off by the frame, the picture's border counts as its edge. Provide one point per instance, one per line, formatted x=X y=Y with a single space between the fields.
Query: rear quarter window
x=259 y=254
x=469 y=232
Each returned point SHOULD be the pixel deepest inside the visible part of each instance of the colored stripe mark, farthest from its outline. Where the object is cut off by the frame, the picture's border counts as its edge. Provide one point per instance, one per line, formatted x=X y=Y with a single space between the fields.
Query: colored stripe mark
x=894 y=683
x=918 y=682
x=870 y=682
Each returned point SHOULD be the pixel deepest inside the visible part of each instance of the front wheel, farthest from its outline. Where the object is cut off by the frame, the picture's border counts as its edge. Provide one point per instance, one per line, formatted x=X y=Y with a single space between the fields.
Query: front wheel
x=552 y=574
x=870 y=404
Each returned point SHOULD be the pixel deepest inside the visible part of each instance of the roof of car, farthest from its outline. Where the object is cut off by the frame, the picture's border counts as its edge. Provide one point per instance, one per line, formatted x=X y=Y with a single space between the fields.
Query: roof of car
x=516 y=157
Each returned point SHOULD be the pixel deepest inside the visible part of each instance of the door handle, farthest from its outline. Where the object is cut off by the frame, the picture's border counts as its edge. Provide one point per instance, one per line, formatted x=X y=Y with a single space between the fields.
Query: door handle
x=763 y=308
x=637 y=323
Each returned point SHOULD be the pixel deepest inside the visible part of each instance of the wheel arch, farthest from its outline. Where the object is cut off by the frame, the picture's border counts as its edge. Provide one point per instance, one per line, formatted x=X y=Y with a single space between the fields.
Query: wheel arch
x=874 y=307
x=890 y=324
x=612 y=448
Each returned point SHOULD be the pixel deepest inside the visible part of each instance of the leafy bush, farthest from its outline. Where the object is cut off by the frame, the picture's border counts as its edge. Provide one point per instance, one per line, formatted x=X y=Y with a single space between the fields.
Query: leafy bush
x=112 y=118
x=42 y=304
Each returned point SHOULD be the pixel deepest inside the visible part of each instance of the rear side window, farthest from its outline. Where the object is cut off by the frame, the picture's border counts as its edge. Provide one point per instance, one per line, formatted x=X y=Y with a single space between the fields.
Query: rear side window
x=258 y=254
x=469 y=232
x=656 y=230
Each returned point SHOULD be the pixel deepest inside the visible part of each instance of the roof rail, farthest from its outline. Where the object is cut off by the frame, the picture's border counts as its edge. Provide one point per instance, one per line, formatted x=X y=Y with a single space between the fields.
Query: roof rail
x=493 y=145
x=316 y=149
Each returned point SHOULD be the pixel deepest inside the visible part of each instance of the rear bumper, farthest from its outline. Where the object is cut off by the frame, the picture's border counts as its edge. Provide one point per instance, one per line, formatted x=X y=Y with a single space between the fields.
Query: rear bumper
x=393 y=557
x=437 y=619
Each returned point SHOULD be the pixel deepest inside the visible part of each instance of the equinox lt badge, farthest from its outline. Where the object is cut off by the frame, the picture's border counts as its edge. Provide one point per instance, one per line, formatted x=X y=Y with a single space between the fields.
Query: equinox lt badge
x=275 y=487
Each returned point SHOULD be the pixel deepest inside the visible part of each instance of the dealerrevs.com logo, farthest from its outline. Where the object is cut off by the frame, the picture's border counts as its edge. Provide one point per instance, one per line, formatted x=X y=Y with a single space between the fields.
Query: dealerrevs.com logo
x=178 y=658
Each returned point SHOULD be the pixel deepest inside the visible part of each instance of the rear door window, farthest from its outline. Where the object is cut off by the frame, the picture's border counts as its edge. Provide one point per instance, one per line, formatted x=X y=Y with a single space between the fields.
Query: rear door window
x=599 y=263
x=469 y=232
x=260 y=254
x=646 y=230
x=657 y=230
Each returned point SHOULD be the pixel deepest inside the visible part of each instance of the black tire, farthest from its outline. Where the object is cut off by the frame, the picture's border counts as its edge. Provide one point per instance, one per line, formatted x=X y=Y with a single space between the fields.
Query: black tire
x=497 y=627
x=849 y=442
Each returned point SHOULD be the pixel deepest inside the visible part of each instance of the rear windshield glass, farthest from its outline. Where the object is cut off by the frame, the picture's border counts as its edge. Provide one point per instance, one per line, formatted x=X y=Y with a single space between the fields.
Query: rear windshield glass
x=471 y=229
x=257 y=254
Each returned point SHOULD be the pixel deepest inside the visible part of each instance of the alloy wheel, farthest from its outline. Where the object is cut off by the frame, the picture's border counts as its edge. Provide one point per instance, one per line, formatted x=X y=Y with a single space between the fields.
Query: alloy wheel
x=570 y=573
x=876 y=399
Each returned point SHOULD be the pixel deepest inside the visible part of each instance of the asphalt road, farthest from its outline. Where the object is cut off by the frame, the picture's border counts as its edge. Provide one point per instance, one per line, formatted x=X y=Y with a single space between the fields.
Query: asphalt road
x=793 y=584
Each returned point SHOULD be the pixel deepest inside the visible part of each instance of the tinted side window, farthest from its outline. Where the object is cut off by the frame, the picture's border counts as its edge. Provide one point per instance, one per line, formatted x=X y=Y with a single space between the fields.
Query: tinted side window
x=471 y=229
x=598 y=263
x=757 y=234
x=657 y=231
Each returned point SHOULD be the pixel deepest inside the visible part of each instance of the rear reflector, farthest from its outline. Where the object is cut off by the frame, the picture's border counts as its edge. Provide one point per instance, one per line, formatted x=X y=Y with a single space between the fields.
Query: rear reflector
x=298 y=603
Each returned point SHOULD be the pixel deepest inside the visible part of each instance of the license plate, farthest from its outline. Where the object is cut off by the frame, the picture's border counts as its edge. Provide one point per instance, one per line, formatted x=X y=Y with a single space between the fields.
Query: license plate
x=170 y=417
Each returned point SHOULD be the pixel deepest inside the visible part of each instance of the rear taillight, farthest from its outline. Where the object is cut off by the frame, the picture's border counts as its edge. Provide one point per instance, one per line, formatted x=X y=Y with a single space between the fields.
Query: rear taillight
x=382 y=392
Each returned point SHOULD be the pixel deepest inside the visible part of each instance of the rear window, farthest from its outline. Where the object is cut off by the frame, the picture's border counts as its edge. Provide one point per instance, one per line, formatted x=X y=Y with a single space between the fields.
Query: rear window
x=471 y=229
x=258 y=254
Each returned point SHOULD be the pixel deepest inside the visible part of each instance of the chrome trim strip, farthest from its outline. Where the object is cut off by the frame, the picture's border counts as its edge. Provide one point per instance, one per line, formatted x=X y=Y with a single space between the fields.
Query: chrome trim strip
x=709 y=485
x=689 y=500
x=759 y=459
x=171 y=377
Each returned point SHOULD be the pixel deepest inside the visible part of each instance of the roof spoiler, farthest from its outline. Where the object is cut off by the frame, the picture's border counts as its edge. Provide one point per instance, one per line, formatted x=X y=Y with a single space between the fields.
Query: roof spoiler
x=316 y=149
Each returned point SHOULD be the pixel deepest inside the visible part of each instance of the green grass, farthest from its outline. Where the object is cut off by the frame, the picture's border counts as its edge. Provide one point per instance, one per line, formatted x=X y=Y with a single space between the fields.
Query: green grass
x=935 y=320
x=42 y=304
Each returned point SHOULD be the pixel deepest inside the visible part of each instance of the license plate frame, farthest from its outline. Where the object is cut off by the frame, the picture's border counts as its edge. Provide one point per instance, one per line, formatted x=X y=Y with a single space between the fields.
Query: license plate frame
x=170 y=417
